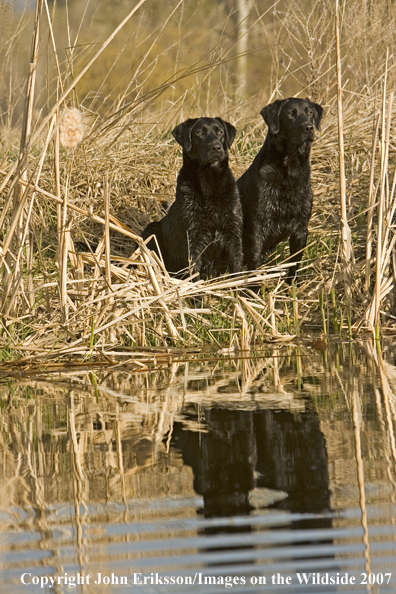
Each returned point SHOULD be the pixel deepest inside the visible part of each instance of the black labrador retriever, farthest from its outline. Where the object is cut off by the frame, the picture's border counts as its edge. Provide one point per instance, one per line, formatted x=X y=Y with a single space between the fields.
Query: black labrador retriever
x=276 y=190
x=203 y=227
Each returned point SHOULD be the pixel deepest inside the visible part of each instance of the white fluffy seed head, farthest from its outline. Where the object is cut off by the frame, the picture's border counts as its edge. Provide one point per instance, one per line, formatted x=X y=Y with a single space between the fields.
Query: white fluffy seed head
x=71 y=128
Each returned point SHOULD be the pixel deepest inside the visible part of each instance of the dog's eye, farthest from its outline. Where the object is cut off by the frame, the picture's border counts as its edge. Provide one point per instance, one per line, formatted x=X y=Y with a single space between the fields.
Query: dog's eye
x=220 y=132
x=309 y=112
x=199 y=133
x=293 y=113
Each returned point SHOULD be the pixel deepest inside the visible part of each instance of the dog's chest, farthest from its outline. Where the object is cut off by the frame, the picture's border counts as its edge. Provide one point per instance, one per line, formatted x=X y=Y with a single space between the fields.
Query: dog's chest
x=210 y=208
x=285 y=199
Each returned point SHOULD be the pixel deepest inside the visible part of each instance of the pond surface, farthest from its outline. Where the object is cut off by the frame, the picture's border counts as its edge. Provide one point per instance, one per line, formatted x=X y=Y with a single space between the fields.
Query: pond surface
x=270 y=474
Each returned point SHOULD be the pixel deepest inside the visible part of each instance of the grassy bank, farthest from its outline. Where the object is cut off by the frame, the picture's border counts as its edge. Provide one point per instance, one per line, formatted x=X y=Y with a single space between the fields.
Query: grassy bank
x=61 y=301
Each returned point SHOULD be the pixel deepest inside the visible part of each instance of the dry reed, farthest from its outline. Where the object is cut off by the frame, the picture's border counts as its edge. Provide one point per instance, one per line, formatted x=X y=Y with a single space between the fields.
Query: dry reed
x=79 y=283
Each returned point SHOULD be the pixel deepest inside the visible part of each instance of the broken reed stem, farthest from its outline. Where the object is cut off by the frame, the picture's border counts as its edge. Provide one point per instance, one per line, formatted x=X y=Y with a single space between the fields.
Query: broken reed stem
x=244 y=334
x=29 y=265
x=107 y=230
x=57 y=184
x=294 y=306
x=371 y=202
x=347 y=254
x=381 y=201
x=112 y=332
x=63 y=251
x=333 y=302
x=51 y=30
x=299 y=370
x=30 y=87
x=322 y=311
x=271 y=305
x=389 y=209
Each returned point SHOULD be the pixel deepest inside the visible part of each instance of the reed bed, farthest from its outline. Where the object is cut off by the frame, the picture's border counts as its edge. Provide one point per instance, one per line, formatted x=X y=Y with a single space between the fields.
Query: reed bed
x=78 y=284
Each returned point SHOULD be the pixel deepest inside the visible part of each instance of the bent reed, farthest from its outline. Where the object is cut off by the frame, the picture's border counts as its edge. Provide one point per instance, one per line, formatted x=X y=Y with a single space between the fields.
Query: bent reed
x=79 y=284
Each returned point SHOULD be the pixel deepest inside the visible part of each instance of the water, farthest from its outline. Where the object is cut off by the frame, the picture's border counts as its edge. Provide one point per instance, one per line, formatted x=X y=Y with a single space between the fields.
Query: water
x=270 y=474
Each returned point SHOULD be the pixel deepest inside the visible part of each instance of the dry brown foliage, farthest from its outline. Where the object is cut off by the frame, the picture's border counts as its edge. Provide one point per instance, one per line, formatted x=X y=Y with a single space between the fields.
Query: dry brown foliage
x=77 y=281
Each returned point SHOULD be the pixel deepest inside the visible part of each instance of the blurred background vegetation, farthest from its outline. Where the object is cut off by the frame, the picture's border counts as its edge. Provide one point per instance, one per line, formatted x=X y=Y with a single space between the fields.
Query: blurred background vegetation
x=190 y=55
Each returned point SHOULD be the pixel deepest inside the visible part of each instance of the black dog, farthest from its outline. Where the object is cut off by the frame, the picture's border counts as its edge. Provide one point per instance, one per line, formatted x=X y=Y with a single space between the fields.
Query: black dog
x=276 y=190
x=203 y=227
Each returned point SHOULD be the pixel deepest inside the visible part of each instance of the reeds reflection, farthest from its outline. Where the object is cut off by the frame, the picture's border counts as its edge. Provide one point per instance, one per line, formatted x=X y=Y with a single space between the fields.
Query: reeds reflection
x=143 y=472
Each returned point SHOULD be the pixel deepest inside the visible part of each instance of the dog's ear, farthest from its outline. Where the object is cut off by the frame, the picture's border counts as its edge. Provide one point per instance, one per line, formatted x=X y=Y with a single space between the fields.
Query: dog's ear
x=182 y=133
x=317 y=111
x=230 y=132
x=271 y=114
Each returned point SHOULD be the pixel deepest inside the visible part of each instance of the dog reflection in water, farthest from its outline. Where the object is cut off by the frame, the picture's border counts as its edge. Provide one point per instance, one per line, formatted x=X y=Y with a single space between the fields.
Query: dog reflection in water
x=244 y=450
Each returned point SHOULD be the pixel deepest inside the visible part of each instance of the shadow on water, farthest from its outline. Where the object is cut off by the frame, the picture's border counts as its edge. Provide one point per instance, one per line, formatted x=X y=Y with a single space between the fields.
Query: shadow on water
x=276 y=473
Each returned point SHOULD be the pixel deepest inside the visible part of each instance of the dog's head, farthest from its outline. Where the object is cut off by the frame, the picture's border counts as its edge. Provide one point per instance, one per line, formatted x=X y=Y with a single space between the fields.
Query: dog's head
x=206 y=140
x=293 y=119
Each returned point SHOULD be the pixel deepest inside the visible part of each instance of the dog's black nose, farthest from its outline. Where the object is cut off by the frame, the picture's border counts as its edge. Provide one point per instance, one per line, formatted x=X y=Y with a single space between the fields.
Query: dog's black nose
x=308 y=128
x=216 y=146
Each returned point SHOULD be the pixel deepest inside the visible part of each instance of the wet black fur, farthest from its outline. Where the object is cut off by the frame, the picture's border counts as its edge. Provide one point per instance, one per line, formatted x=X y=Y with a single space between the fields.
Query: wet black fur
x=276 y=190
x=203 y=227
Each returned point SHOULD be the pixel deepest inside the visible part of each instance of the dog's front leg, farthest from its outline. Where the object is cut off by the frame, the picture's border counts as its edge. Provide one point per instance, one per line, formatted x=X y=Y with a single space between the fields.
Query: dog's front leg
x=297 y=243
x=253 y=247
x=196 y=264
x=195 y=260
x=234 y=250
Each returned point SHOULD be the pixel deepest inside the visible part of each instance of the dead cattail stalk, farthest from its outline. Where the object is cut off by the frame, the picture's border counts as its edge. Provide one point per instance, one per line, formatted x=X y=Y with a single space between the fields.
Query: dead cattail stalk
x=245 y=334
x=63 y=251
x=97 y=270
x=271 y=305
x=57 y=187
x=243 y=8
x=347 y=253
x=112 y=333
x=107 y=229
x=371 y=202
x=51 y=30
x=379 y=272
x=29 y=100
x=29 y=264
x=275 y=370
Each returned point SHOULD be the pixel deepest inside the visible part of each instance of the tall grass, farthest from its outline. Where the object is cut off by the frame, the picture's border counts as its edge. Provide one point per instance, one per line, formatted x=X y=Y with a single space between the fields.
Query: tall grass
x=62 y=298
